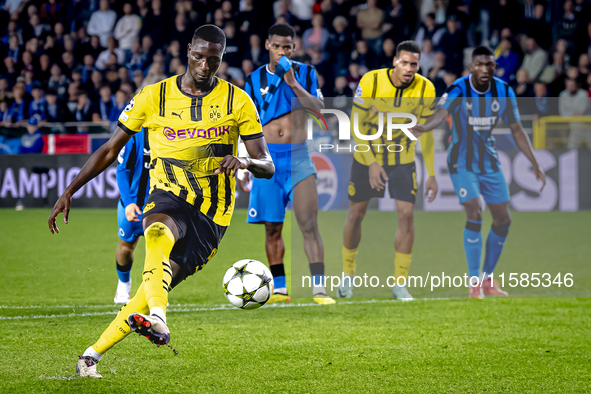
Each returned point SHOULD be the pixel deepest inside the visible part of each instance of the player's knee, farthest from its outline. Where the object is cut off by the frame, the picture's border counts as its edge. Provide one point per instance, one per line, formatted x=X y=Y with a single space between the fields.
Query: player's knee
x=156 y=231
x=309 y=228
x=473 y=210
x=503 y=222
x=273 y=231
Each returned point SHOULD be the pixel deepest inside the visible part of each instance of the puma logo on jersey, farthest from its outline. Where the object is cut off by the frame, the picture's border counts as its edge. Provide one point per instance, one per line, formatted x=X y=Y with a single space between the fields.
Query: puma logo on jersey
x=179 y=115
x=148 y=272
x=264 y=91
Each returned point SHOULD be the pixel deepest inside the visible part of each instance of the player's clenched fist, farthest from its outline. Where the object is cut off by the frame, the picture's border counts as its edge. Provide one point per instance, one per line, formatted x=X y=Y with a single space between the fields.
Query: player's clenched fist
x=231 y=164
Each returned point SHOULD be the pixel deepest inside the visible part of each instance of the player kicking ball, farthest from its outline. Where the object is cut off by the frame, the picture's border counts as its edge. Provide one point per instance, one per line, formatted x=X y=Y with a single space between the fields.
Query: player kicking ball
x=133 y=179
x=193 y=123
x=272 y=88
x=476 y=103
x=398 y=89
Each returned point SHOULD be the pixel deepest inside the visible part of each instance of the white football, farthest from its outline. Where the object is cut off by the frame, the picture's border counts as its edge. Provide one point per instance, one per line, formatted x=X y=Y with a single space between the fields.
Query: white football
x=248 y=284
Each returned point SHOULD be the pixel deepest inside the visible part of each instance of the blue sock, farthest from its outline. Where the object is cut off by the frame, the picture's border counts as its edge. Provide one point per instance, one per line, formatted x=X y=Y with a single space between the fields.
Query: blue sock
x=124 y=272
x=473 y=246
x=494 y=246
x=278 y=272
x=318 y=280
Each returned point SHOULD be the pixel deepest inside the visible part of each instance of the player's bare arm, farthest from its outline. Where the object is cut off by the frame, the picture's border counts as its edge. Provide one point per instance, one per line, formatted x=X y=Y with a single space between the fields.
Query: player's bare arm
x=259 y=163
x=431 y=123
x=96 y=164
x=524 y=144
x=314 y=102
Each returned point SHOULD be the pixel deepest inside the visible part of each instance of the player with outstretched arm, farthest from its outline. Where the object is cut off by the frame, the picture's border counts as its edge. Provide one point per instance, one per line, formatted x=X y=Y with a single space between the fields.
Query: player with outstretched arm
x=193 y=123
x=476 y=103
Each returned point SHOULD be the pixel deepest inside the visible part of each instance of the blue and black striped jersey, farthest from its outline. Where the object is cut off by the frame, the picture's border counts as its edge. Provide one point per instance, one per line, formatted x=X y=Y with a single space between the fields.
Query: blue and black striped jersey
x=272 y=96
x=473 y=116
x=133 y=170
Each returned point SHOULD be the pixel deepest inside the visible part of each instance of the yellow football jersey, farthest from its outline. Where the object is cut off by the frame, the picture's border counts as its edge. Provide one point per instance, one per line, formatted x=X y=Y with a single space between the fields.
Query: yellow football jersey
x=376 y=93
x=189 y=136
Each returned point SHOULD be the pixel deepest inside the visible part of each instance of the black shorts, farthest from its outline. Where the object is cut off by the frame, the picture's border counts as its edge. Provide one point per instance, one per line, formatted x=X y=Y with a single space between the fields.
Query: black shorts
x=402 y=183
x=199 y=236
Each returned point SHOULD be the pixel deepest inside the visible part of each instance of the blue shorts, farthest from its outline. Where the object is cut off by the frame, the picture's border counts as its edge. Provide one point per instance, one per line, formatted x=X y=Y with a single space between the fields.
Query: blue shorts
x=128 y=231
x=492 y=187
x=269 y=197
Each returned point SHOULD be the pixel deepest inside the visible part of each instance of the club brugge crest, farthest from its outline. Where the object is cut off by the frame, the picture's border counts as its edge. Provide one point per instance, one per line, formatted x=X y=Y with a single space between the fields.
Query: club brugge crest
x=327 y=181
x=214 y=114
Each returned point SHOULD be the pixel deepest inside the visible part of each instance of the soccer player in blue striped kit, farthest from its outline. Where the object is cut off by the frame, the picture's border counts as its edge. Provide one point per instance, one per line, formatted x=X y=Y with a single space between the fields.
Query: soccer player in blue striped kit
x=133 y=179
x=476 y=103
x=272 y=88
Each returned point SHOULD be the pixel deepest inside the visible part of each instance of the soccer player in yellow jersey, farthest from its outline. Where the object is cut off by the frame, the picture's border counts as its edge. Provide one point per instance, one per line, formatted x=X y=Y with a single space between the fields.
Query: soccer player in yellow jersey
x=193 y=123
x=398 y=89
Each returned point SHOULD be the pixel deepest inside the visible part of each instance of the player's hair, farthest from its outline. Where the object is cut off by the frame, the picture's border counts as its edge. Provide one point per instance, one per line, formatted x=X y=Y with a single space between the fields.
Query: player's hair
x=482 y=50
x=211 y=33
x=408 y=46
x=281 y=29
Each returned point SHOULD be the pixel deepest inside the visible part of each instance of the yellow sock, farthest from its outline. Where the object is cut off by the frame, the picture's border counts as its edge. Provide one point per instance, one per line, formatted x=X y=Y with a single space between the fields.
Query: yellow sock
x=401 y=265
x=118 y=329
x=349 y=261
x=157 y=271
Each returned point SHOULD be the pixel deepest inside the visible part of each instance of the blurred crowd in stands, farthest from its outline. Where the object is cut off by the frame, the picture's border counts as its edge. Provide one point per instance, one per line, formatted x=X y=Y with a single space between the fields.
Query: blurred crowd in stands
x=82 y=60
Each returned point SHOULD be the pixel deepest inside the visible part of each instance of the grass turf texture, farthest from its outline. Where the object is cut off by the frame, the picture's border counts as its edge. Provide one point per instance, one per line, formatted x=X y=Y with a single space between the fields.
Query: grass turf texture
x=513 y=345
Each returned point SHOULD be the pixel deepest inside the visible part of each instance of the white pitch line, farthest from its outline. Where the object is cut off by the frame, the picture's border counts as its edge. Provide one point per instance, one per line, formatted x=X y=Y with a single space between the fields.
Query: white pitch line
x=188 y=308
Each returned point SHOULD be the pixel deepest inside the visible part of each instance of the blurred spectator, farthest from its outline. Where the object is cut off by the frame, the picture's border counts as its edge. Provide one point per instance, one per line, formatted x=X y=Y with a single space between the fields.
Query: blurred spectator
x=534 y=61
x=138 y=78
x=58 y=81
x=32 y=141
x=9 y=73
x=128 y=27
x=101 y=22
x=121 y=100
x=233 y=54
x=43 y=73
x=155 y=17
x=156 y=74
x=354 y=76
x=339 y=45
x=72 y=97
x=427 y=60
x=38 y=106
x=583 y=69
x=316 y=38
x=523 y=87
x=103 y=106
x=56 y=109
x=363 y=55
x=387 y=54
x=437 y=73
x=248 y=19
x=181 y=31
x=14 y=49
x=575 y=102
x=112 y=48
x=5 y=92
x=257 y=54
x=4 y=114
x=341 y=88
x=507 y=62
x=83 y=111
x=429 y=30
x=371 y=21
x=568 y=25
x=399 y=20
x=143 y=9
x=17 y=112
x=539 y=28
x=38 y=26
x=134 y=60
x=92 y=47
x=452 y=44
x=68 y=62
x=544 y=106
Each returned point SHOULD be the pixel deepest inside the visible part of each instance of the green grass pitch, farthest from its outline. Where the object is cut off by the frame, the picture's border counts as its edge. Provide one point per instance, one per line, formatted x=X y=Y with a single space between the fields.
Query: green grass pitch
x=56 y=294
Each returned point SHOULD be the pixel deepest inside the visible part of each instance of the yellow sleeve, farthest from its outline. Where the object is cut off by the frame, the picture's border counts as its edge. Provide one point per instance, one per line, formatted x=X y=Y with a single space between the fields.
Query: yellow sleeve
x=362 y=102
x=135 y=114
x=427 y=139
x=249 y=122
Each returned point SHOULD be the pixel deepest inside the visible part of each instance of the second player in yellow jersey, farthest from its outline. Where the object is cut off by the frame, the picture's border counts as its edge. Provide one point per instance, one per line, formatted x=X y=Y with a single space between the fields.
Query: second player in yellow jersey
x=388 y=160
